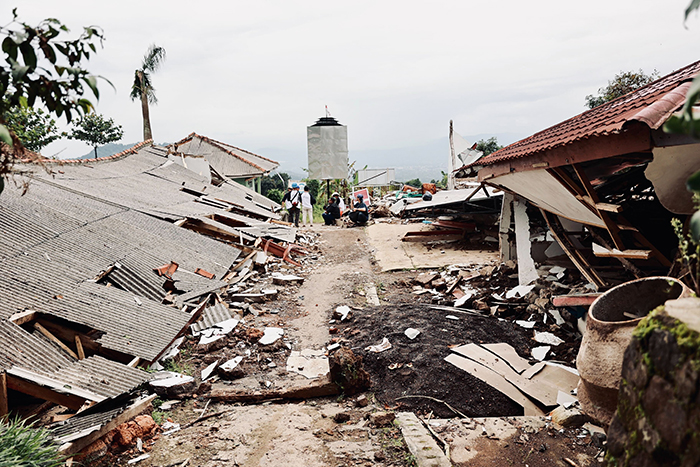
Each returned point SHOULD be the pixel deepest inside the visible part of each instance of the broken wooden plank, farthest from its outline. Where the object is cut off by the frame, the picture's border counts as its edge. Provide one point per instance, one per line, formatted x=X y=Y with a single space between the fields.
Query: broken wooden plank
x=54 y=339
x=585 y=299
x=4 y=408
x=496 y=381
x=574 y=255
x=307 y=389
x=79 y=348
x=135 y=361
x=48 y=394
x=608 y=207
x=602 y=252
x=132 y=411
x=23 y=317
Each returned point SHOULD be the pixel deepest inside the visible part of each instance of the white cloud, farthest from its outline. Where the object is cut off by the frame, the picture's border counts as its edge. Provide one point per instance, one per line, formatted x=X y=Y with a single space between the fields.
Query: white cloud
x=255 y=74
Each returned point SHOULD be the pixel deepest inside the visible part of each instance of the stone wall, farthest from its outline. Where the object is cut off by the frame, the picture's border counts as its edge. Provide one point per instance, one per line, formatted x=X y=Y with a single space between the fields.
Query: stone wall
x=658 y=414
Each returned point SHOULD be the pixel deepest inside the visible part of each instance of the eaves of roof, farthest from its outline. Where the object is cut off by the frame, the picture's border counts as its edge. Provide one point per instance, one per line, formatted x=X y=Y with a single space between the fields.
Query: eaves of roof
x=119 y=155
x=651 y=105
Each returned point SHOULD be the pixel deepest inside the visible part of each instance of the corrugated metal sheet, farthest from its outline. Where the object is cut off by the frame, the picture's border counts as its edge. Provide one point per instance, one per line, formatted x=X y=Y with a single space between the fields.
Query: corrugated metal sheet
x=226 y=159
x=25 y=354
x=652 y=104
x=212 y=315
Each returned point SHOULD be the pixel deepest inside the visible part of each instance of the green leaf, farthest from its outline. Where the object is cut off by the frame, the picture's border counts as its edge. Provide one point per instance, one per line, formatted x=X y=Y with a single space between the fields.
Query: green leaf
x=694 y=4
x=28 y=54
x=5 y=136
x=19 y=71
x=695 y=227
x=92 y=82
x=693 y=182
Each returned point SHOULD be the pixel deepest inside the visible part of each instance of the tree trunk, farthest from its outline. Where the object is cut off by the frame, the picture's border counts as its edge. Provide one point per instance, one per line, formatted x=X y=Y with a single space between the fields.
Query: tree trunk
x=95 y=152
x=147 y=133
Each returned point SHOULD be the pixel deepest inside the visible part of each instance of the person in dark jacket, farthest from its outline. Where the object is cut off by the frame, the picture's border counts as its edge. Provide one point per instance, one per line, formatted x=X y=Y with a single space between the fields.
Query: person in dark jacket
x=359 y=213
x=332 y=211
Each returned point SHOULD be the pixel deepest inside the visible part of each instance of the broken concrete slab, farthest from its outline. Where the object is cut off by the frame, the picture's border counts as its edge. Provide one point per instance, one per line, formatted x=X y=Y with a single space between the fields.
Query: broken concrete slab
x=172 y=385
x=271 y=335
x=308 y=363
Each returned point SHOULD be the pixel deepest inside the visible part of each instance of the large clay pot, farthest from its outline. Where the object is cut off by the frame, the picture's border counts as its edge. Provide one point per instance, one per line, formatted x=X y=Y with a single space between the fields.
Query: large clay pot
x=609 y=332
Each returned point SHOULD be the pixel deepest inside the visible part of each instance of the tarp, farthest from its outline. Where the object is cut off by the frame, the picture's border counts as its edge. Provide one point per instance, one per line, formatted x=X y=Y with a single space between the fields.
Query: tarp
x=328 y=152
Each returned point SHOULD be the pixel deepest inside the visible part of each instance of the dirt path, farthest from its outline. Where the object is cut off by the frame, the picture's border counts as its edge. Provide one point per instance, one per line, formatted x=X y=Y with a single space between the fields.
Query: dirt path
x=345 y=263
x=294 y=433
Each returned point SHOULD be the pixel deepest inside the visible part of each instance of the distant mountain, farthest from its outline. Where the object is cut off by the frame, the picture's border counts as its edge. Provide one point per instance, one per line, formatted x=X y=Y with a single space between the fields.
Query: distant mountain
x=111 y=149
x=424 y=161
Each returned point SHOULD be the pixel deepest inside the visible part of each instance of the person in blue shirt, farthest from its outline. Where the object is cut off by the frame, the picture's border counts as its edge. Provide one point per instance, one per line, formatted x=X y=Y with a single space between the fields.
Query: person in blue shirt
x=359 y=213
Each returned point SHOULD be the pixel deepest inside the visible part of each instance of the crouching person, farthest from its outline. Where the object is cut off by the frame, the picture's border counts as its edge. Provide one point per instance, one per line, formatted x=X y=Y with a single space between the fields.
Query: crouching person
x=332 y=211
x=359 y=213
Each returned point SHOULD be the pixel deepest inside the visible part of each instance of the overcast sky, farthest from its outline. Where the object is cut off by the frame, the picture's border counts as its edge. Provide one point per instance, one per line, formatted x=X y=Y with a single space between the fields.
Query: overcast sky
x=254 y=74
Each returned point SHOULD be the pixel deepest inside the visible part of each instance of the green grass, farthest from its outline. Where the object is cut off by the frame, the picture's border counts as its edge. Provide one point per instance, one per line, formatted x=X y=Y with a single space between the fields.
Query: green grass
x=22 y=445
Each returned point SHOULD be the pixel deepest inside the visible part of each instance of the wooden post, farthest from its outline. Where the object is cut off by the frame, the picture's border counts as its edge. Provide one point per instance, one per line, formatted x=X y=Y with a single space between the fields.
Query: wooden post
x=53 y=338
x=4 y=410
x=79 y=348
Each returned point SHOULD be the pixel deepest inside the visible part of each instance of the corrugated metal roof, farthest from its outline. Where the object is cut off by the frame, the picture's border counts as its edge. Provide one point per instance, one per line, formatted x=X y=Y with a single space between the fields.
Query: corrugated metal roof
x=26 y=356
x=212 y=315
x=652 y=104
x=226 y=159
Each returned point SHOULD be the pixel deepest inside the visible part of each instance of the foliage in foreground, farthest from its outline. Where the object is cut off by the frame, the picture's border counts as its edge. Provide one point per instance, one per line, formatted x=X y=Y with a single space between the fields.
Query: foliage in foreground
x=34 y=128
x=22 y=445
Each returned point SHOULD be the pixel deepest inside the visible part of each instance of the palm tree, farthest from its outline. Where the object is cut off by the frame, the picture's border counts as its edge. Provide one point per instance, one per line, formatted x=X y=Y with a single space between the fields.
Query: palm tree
x=143 y=88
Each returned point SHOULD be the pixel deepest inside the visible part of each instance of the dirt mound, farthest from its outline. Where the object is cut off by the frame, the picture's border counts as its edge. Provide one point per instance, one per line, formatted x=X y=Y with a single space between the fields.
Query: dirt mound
x=416 y=367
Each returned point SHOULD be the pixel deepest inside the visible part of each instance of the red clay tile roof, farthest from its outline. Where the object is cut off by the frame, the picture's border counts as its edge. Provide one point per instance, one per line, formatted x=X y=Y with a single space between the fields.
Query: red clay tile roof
x=652 y=104
x=132 y=150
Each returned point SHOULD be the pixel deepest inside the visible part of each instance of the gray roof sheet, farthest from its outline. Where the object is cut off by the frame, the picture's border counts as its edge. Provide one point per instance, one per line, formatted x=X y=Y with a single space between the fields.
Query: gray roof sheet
x=28 y=354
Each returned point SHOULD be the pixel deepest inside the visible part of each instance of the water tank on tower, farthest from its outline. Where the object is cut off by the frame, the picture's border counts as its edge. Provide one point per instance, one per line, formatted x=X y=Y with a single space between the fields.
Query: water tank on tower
x=328 y=149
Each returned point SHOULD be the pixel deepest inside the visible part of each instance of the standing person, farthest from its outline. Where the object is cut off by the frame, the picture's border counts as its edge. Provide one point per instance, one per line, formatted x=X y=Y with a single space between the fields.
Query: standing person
x=359 y=213
x=307 y=207
x=294 y=204
x=332 y=211
x=287 y=204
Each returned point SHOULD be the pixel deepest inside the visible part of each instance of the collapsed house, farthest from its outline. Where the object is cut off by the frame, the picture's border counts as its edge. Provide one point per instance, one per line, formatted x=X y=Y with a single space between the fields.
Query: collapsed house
x=611 y=169
x=223 y=159
x=103 y=264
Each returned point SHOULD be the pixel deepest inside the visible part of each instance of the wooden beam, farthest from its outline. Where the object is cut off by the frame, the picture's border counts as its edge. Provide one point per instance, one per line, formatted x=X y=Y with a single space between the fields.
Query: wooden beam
x=610 y=226
x=585 y=299
x=53 y=338
x=603 y=252
x=4 y=407
x=134 y=362
x=132 y=411
x=23 y=317
x=67 y=400
x=638 y=274
x=79 y=348
x=66 y=334
x=608 y=207
x=574 y=255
